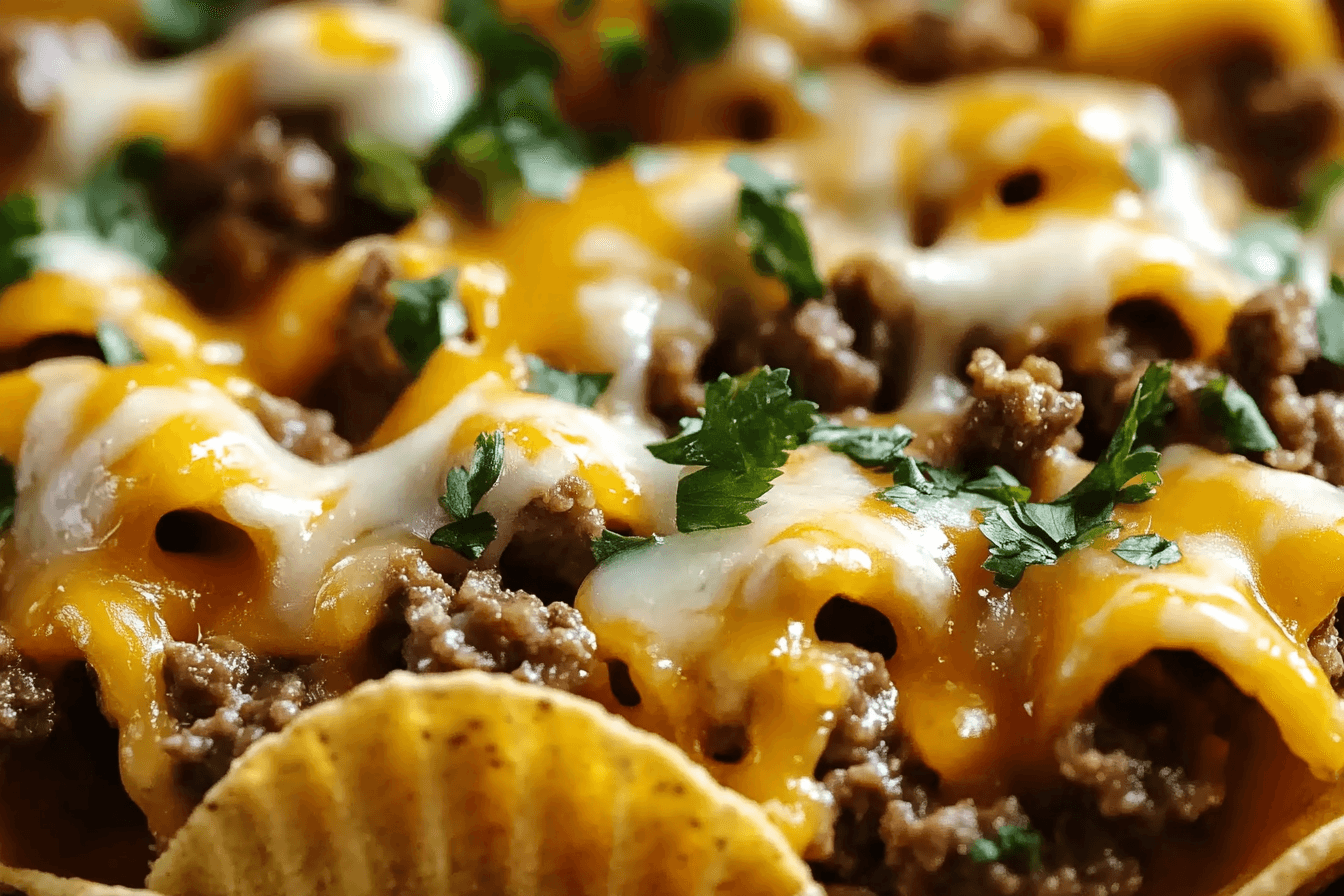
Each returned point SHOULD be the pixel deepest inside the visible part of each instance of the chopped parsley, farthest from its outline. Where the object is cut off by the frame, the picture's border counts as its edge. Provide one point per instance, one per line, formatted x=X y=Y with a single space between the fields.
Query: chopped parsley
x=1329 y=322
x=425 y=314
x=879 y=449
x=118 y=349
x=740 y=441
x=698 y=30
x=1235 y=411
x=1023 y=535
x=183 y=25
x=623 y=51
x=1144 y=164
x=1321 y=185
x=18 y=221
x=779 y=246
x=1151 y=551
x=114 y=202
x=9 y=493
x=582 y=389
x=471 y=531
x=609 y=544
x=387 y=175
x=920 y=485
x=1011 y=841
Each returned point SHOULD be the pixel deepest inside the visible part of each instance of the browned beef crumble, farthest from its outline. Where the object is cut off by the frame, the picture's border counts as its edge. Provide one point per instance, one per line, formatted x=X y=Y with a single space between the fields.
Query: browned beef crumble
x=1327 y=647
x=283 y=191
x=27 y=698
x=368 y=375
x=225 y=698
x=919 y=43
x=299 y=430
x=1125 y=783
x=549 y=552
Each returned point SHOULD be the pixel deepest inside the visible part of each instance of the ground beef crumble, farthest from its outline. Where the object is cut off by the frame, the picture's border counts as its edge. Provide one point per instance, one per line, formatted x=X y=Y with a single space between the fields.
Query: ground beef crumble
x=549 y=552
x=921 y=42
x=27 y=698
x=299 y=430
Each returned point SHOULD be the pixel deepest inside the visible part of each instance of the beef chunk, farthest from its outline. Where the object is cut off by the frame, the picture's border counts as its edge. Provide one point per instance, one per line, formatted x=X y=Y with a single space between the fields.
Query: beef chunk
x=27 y=699
x=225 y=698
x=299 y=430
x=481 y=625
x=368 y=376
x=869 y=720
x=673 y=382
x=921 y=42
x=1327 y=647
x=549 y=553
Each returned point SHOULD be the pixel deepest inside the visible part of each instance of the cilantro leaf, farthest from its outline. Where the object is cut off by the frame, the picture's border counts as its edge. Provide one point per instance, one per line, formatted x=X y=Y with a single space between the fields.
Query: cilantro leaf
x=1010 y=841
x=1151 y=551
x=9 y=493
x=425 y=314
x=1236 y=413
x=114 y=202
x=184 y=25
x=742 y=438
x=468 y=537
x=779 y=245
x=1144 y=164
x=582 y=389
x=469 y=533
x=609 y=544
x=387 y=175
x=1120 y=463
x=698 y=30
x=1329 y=322
x=623 y=51
x=879 y=449
x=118 y=349
x=1321 y=185
x=18 y=221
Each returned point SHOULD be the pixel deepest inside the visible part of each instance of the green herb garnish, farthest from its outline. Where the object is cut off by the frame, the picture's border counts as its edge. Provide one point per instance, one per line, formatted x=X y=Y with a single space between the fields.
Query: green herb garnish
x=184 y=25
x=9 y=493
x=1023 y=535
x=1266 y=250
x=471 y=531
x=18 y=222
x=1321 y=185
x=741 y=439
x=114 y=202
x=623 y=50
x=879 y=449
x=1010 y=841
x=698 y=30
x=118 y=349
x=1144 y=164
x=609 y=544
x=1236 y=413
x=1330 y=322
x=582 y=389
x=779 y=245
x=1151 y=551
x=425 y=314
x=387 y=175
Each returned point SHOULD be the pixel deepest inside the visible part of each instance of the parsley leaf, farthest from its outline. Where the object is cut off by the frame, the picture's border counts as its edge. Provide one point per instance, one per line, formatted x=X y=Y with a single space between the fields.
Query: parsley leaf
x=742 y=438
x=114 y=202
x=623 y=51
x=879 y=449
x=425 y=314
x=1144 y=164
x=1235 y=411
x=18 y=221
x=470 y=533
x=779 y=246
x=1329 y=322
x=1151 y=551
x=1321 y=185
x=1023 y=535
x=582 y=389
x=698 y=30
x=1010 y=841
x=118 y=349
x=609 y=544
x=184 y=25
x=387 y=175
x=9 y=493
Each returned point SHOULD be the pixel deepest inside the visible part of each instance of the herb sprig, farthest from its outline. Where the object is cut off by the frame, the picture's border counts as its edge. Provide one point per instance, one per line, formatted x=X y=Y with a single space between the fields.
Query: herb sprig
x=610 y=544
x=779 y=245
x=1237 y=415
x=582 y=389
x=1009 y=841
x=470 y=531
x=425 y=314
x=387 y=175
x=18 y=222
x=114 y=202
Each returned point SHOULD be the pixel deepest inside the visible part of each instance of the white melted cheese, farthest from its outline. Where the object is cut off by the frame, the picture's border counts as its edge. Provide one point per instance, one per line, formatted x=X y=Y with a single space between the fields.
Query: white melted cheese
x=312 y=514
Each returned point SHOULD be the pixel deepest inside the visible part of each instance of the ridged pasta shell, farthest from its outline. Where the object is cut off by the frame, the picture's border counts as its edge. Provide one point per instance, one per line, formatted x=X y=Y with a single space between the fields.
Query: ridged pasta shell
x=39 y=883
x=472 y=783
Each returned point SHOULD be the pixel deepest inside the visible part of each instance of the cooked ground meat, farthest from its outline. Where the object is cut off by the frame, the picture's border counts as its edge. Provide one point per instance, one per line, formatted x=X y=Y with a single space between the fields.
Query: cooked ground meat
x=368 y=375
x=549 y=553
x=225 y=698
x=673 y=382
x=27 y=699
x=299 y=430
x=482 y=625
x=1127 y=778
x=283 y=191
x=919 y=42
x=1327 y=646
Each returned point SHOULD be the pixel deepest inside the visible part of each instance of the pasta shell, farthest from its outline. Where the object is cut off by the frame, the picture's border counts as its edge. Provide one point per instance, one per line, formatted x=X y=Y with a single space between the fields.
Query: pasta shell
x=39 y=883
x=472 y=783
